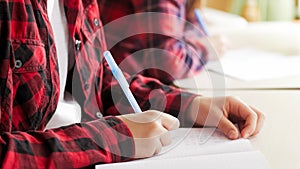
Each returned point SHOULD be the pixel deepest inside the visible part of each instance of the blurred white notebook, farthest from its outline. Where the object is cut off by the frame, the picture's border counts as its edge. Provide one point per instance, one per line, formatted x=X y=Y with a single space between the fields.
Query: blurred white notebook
x=200 y=148
x=252 y=64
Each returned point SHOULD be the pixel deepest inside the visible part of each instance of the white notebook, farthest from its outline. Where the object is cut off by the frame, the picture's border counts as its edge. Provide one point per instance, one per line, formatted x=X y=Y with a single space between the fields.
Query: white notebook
x=200 y=148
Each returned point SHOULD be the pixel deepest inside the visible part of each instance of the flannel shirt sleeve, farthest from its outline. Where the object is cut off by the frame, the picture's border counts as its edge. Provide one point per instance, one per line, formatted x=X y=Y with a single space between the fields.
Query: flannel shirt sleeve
x=79 y=145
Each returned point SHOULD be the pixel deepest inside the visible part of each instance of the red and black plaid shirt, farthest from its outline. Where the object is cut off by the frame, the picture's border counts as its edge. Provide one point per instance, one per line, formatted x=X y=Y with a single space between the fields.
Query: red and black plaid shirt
x=156 y=46
x=29 y=90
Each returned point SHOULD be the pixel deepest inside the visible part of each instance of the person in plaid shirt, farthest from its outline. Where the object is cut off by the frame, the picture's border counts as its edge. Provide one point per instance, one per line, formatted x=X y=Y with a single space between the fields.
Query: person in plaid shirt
x=30 y=87
x=185 y=48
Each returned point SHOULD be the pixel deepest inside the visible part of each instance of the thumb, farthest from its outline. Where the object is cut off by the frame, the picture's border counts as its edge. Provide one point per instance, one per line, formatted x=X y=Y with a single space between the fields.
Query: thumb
x=228 y=128
x=169 y=122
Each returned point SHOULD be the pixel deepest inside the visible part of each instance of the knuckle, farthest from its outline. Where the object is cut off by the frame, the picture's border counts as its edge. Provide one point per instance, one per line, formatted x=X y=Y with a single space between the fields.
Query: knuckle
x=151 y=116
x=152 y=113
x=232 y=98
x=176 y=123
x=254 y=115
x=155 y=126
x=167 y=142
x=261 y=116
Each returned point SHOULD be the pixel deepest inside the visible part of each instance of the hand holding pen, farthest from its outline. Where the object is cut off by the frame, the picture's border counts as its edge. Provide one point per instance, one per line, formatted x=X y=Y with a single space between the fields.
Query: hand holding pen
x=150 y=128
x=219 y=42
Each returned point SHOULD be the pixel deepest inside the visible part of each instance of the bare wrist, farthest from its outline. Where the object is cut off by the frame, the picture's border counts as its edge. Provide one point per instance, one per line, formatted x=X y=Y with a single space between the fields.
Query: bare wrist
x=192 y=111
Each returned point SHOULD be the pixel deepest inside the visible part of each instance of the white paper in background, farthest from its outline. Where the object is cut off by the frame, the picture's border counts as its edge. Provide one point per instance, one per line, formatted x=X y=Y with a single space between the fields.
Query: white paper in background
x=252 y=65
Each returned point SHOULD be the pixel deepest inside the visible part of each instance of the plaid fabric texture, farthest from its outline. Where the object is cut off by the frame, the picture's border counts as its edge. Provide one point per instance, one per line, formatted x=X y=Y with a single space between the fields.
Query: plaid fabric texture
x=178 y=57
x=29 y=90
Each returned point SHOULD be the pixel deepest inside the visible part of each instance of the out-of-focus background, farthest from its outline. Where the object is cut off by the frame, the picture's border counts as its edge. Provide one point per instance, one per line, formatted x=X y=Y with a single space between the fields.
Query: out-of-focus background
x=271 y=25
x=262 y=10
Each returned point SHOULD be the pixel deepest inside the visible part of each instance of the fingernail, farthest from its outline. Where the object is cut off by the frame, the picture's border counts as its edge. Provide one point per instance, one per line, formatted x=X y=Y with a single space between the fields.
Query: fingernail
x=232 y=134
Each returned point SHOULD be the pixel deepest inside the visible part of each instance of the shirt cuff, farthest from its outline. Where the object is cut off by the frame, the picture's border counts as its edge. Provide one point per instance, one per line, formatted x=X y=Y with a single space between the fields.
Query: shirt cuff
x=119 y=139
x=178 y=105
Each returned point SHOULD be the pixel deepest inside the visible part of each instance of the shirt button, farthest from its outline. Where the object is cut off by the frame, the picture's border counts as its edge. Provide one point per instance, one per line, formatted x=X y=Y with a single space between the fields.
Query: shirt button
x=77 y=44
x=86 y=86
x=99 y=115
x=18 y=63
x=96 y=22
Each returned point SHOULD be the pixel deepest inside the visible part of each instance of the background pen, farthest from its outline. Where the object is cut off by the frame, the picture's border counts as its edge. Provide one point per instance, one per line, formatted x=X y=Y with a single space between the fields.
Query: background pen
x=201 y=21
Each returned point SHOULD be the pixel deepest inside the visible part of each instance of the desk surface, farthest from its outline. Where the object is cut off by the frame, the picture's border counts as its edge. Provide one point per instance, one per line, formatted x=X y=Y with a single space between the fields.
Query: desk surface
x=208 y=80
x=279 y=140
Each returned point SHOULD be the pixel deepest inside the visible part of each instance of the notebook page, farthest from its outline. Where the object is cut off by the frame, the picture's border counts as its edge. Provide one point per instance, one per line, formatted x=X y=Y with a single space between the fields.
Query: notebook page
x=244 y=160
x=202 y=141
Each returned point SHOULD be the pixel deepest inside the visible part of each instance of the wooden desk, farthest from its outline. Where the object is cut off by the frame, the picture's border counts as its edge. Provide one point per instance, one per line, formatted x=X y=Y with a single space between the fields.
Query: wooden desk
x=279 y=140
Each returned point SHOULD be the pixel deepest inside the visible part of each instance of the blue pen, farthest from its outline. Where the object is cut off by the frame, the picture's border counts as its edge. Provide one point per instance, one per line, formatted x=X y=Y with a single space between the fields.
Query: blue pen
x=116 y=71
x=200 y=21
